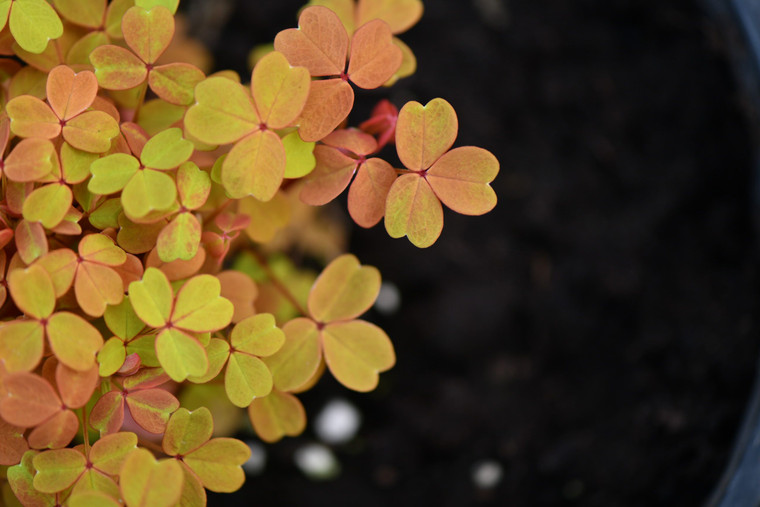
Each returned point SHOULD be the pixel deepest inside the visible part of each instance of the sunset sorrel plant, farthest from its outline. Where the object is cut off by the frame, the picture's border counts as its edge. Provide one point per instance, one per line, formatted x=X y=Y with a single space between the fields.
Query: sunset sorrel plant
x=148 y=210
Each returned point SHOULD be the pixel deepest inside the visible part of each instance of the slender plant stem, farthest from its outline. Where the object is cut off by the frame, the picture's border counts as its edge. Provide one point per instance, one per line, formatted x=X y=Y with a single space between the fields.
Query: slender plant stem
x=85 y=432
x=279 y=285
x=141 y=99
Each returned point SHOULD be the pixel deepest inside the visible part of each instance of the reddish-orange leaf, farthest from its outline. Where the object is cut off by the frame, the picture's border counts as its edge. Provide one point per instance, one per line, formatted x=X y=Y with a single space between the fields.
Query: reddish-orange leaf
x=76 y=387
x=424 y=133
x=461 y=177
x=374 y=57
x=12 y=443
x=369 y=191
x=117 y=68
x=413 y=210
x=107 y=415
x=31 y=240
x=175 y=82
x=151 y=408
x=320 y=43
x=56 y=432
x=29 y=400
x=69 y=93
x=177 y=269
x=30 y=117
x=241 y=290
x=135 y=136
x=148 y=33
x=328 y=105
x=352 y=140
x=30 y=160
x=330 y=177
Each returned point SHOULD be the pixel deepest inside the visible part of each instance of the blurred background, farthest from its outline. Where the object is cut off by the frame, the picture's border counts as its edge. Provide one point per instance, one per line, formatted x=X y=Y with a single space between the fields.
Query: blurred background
x=593 y=340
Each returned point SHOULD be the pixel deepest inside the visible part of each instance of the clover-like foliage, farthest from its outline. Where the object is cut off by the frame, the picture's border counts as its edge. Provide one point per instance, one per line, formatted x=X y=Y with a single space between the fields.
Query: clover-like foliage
x=145 y=217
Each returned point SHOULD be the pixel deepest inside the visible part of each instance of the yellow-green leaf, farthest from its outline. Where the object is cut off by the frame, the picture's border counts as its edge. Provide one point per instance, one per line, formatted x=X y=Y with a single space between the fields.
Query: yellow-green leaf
x=200 y=308
x=424 y=133
x=33 y=23
x=299 y=156
x=151 y=298
x=193 y=185
x=91 y=131
x=147 y=191
x=344 y=290
x=148 y=33
x=74 y=341
x=57 y=469
x=413 y=210
x=279 y=90
x=111 y=356
x=218 y=464
x=32 y=290
x=277 y=415
x=186 y=431
x=298 y=358
x=112 y=173
x=144 y=482
x=355 y=352
x=180 y=354
x=246 y=378
x=48 y=204
x=255 y=166
x=257 y=335
x=166 y=150
x=222 y=113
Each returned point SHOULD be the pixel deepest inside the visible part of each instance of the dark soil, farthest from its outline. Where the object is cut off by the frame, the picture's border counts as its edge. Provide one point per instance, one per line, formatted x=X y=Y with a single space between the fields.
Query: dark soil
x=596 y=333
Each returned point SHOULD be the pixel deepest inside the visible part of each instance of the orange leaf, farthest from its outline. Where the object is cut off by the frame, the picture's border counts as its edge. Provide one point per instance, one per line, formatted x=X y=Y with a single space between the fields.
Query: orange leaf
x=424 y=133
x=240 y=290
x=29 y=401
x=30 y=160
x=320 y=43
x=368 y=192
x=12 y=443
x=30 y=117
x=344 y=290
x=151 y=408
x=328 y=105
x=70 y=94
x=117 y=68
x=56 y=432
x=374 y=57
x=97 y=286
x=148 y=33
x=76 y=387
x=413 y=210
x=91 y=131
x=461 y=177
x=107 y=415
x=352 y=140
x=61 y=265
x=277 y=415
x=329 y=178
x=175 y=82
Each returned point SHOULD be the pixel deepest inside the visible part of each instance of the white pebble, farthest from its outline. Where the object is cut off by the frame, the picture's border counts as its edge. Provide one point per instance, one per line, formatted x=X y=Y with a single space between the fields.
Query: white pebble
x=487 y=474
x=317 y=462
x=338 y=422
x=258 y=460
x=389 y=299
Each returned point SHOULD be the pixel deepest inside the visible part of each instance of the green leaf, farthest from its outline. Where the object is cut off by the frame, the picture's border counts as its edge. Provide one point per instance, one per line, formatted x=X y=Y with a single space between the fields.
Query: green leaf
x=355 y=352
x=111 y=356
x=21 y=479
x=57 y=469
x=78 y=353
x=33 y=23
x=149 y=4
x=21 y=344
x=193 y=185
x=255 y=166
x=186 y=431
x=200 y=308
x=112 y=173
x=180 y=354
x=106 y=214
x=166 y=150
x=109 y=453
x=222 y=112
x=218 y=351
x=344 y=290
x=299 y=156
x=144 y=482
x=257 y=335
x=75 y=163
x=32 y=290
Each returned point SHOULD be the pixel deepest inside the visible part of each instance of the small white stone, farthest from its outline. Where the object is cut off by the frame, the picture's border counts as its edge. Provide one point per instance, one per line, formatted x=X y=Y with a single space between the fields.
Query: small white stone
x=258 y=460
x=487 y=474
x=389 y=299
x=338 y=422
x=317 y=462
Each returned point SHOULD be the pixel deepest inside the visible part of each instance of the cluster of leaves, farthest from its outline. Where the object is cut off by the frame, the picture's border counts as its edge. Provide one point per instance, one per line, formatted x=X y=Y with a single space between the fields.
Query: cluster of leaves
x=131 y=179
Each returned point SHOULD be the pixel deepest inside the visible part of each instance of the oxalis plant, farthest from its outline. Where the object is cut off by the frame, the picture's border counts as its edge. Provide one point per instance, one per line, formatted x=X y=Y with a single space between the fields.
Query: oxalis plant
x=143 y=209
